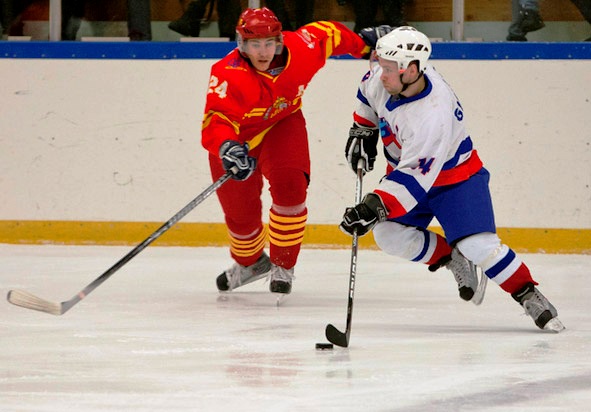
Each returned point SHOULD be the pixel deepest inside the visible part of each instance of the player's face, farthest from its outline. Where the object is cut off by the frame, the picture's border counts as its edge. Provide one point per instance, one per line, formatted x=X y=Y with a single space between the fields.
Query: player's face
x=261 y=52
x=390 y=77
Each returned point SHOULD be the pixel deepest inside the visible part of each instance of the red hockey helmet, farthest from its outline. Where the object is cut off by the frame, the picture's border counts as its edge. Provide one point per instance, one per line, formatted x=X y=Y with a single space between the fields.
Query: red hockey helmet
x=258 y=24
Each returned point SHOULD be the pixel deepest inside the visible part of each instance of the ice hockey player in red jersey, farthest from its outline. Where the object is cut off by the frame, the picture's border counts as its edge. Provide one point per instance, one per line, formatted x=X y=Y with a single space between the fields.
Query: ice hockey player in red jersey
x=433 y=171
x=253 y=124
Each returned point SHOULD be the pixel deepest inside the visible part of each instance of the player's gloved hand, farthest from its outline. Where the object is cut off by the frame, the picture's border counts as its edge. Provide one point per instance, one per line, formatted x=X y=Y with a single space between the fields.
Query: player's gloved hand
x=236 y=160
x=371 y=35
x=364 y=216
x=362 y=144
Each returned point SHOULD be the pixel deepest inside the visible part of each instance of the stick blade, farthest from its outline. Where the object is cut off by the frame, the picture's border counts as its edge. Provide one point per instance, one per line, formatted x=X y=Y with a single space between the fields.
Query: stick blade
x=29 y=301
x=335 y=336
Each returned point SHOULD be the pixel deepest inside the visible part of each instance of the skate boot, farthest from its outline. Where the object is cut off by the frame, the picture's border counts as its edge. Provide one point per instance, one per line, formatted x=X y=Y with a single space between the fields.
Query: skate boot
x=465 y=273
x=470 y=287
x=538 y=308
x=281 y=279
x=239 y=275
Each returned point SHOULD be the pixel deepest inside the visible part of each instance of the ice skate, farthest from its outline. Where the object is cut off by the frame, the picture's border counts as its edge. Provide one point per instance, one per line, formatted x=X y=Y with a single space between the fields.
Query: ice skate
x=239 y=275
x=281 y=279
x=538 y=308
x=470 y=286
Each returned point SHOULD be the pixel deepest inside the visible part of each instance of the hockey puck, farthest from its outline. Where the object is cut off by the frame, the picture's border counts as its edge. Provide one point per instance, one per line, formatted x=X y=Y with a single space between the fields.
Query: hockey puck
x=324 y=346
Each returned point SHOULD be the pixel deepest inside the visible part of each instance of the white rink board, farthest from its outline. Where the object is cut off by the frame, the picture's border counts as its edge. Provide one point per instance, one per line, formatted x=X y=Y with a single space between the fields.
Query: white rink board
x=118 y=140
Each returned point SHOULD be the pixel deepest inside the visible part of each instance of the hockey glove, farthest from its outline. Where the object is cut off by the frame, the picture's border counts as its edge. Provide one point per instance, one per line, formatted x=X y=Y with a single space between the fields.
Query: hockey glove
x=236 y=160
x=364 y=216
x=371 y=35
x=362 y=144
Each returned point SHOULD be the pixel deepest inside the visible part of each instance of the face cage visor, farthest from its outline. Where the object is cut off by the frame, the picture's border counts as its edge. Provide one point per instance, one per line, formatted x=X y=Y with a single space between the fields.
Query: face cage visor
x=241 y=43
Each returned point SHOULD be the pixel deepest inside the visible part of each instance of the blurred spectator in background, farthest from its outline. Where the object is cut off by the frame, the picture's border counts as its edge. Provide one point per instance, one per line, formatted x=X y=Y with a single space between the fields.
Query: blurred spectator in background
x=584 y=7
x=10 y=11
x=189 y=24
x=139 y=23
x=304 y=13
x=367 y=10
x=278 y=7
x=6 y=16
x=72 y=13
x=139 y=20
x=525 y=18
x=228 y=11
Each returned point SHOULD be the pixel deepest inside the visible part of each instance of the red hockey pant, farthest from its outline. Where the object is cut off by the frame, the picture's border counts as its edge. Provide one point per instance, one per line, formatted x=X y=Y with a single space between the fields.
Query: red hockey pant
x=283 y=159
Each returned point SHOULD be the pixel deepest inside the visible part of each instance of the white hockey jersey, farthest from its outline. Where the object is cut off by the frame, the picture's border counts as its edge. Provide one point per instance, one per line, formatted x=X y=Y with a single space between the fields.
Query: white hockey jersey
x=425 y=142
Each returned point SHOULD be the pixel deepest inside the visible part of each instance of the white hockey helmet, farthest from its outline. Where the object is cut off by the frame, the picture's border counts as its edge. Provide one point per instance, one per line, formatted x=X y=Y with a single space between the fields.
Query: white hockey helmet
x=404 y=45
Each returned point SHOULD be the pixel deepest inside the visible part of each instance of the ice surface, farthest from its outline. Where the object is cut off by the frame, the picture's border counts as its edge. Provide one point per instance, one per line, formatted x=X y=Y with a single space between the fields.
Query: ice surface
x=157 y=336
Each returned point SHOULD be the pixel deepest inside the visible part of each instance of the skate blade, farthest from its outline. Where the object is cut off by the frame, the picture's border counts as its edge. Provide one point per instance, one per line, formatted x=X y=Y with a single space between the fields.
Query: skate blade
x=554 y=325
x=280 y=298
x=480 y=290
x=249 y=298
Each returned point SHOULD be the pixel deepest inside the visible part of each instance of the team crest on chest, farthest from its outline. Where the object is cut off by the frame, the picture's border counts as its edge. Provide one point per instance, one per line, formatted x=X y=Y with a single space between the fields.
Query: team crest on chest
x=280 y=104
x=235 y=63
x=388 y=135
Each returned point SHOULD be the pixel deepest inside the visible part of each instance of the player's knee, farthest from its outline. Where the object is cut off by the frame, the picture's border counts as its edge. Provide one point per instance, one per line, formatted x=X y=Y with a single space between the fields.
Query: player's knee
x=396 y=239
x=481 y=248
x=288 y=186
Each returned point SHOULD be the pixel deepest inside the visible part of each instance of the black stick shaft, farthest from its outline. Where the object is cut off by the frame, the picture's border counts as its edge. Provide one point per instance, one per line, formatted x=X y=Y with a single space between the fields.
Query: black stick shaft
x=332 y=333
x=159 y=232
x=354 y=248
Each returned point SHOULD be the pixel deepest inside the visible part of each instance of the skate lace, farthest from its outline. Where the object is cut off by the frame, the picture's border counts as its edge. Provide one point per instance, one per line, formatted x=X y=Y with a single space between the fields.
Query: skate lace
x=536 y=304
x=236 y=274
x=278 y=273
x=463 y=270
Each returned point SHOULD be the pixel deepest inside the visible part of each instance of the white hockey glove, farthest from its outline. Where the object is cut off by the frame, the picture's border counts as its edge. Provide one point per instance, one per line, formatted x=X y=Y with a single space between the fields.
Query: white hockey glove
x=235 y=159
x=364 y=216
x=371 y=35
x=362 y=144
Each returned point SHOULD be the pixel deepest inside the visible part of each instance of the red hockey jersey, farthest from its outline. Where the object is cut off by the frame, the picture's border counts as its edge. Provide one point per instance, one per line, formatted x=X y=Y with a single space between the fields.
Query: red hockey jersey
x=243 y=103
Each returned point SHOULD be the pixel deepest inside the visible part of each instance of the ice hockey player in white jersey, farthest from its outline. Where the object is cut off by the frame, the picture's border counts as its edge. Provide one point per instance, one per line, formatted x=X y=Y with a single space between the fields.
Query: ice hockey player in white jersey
x=433 y=172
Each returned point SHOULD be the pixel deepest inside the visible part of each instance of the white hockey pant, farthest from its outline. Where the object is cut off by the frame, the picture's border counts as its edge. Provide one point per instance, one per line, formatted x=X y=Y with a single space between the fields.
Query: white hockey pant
x=483 y=249
x=403 y=241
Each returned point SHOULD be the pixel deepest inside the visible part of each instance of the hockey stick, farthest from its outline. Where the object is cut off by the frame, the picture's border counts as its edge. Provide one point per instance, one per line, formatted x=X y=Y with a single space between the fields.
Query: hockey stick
x=332 y=333
x=29 y=301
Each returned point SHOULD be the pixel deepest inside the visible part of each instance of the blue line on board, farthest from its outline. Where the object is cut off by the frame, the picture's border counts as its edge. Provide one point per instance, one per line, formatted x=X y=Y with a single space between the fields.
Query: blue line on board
x=216 y=50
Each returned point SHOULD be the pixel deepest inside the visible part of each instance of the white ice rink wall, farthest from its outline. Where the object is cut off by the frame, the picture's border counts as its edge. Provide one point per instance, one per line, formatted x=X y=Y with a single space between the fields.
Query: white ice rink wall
x=96 y=140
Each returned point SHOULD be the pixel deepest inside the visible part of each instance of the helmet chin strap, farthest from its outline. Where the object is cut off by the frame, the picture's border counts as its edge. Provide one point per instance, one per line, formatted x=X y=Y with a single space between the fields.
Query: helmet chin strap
x=405 y=85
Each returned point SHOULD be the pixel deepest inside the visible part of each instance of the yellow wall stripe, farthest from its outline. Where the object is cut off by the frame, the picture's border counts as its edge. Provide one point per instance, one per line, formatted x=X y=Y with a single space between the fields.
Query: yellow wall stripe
x=38 y=232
